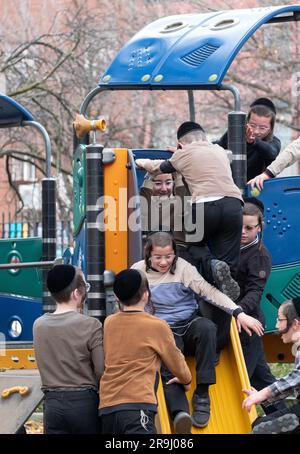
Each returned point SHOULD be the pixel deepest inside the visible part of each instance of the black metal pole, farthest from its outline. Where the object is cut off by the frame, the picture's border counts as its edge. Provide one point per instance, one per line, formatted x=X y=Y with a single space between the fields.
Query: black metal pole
x=192 y=105
x=49 y=235
x=237 y=139
x=48 y=214
x=96 y=302
x=237 y=144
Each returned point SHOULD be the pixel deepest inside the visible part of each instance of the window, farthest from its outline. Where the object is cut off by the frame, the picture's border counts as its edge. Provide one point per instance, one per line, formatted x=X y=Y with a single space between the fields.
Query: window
x=23 y=171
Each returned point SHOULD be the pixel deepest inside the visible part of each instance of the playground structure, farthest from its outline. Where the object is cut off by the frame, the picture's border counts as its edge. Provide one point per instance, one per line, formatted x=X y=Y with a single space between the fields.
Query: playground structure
x=188 y=52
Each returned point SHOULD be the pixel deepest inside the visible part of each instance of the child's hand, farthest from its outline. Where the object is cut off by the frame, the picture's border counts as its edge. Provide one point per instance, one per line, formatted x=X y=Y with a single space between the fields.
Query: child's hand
x=250 y=137
x=171 y=148
x=176 y=380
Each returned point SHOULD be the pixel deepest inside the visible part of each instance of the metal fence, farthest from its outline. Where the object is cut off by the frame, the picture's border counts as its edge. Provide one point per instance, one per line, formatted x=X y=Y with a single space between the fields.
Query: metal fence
x=10 y=228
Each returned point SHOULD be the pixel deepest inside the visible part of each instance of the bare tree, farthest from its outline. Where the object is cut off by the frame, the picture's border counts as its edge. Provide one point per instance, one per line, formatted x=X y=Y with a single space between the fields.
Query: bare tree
x=50 y=69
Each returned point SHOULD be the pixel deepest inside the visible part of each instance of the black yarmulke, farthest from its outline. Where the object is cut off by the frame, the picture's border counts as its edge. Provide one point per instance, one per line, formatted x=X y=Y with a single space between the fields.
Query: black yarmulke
x=127 y=284
x=60 y=277
x=266 y=102
x=296 y=302
x=187 y=127
x=256 y=202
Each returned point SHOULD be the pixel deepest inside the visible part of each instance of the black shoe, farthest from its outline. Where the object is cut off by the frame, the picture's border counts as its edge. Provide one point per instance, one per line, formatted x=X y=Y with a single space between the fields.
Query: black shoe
x=282 y=424
x=201 y=410
x=223 y=279
x=182 y=423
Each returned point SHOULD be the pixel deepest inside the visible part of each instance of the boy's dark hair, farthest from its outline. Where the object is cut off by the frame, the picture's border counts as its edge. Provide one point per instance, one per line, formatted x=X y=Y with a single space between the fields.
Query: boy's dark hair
x=264 y=102
x=130 y=286
x=187 y=127
x=161 y=239
x=255 y=201
x=65 y=275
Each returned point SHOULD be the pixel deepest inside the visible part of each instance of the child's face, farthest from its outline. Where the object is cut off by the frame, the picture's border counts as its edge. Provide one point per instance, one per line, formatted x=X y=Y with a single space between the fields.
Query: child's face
x=260 y=126
x=162 y=258
x=250 y=229
x=163 y=185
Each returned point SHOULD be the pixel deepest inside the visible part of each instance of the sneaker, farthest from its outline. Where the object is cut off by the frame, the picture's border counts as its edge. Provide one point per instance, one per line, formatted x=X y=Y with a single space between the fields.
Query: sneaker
x=223 y=279
x=201 y=410
x=282 y=424
x=182 y=423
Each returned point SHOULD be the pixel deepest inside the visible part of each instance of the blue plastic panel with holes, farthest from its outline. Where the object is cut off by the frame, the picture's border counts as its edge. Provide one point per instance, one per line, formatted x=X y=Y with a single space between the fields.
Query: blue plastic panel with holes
x=187 y=50
x=281 y=198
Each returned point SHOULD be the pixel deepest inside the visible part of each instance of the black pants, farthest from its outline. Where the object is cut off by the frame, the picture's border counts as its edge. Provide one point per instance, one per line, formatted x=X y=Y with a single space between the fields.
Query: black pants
x=198 y=256
x=71 y=412
x=201 y=257
x=221 y=319
x=295 y=409
x=223 y=220
x=129 y=422
x=258 y=369
x=197 y=338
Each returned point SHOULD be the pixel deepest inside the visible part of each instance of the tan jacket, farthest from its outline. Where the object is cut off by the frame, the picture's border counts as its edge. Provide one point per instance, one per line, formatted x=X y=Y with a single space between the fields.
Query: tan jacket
x=204 y=166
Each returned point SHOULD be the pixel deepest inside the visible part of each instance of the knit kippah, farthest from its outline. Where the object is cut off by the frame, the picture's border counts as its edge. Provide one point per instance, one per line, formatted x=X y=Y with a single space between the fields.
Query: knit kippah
x=60 y=277
x=296 y=302
x=127 y=284
x=187 y=127
x=264 y=102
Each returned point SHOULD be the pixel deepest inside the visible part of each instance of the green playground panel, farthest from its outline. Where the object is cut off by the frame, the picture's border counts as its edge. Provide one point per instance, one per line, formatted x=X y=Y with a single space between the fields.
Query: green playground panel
x=79 y=176
x=283 y=284
x=27 y=281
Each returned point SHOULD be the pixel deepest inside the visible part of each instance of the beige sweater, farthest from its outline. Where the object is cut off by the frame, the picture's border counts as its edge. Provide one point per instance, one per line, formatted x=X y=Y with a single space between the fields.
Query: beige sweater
x=286 y=158
x=204 y=166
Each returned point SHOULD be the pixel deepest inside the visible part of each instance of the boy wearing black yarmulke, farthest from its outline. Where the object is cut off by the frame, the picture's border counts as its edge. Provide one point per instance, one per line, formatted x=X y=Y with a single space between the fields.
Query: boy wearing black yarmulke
x=69 y=354
x=288 y=420
x=135 y=344
x=262 y=145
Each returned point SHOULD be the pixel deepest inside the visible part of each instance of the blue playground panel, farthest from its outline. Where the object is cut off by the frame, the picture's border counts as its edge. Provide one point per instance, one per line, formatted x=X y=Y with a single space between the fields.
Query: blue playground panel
x=148 y=154
x=22 y=309
x=12 y=113
x=281 y=198
x=187 y=50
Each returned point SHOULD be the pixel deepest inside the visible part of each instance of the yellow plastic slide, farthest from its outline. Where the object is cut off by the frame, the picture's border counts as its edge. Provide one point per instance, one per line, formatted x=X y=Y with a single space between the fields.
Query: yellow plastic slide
x=227 y=416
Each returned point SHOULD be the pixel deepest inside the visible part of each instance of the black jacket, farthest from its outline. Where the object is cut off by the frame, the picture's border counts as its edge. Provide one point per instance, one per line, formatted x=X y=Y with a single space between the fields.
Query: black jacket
x=253 y=272
x=260 y=154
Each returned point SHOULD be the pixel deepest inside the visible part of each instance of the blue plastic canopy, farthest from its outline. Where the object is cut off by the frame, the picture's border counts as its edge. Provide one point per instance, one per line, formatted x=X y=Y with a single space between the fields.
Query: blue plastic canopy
x=189 y=50
x=12 y=113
